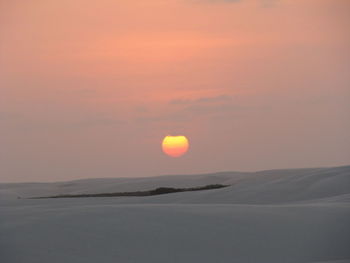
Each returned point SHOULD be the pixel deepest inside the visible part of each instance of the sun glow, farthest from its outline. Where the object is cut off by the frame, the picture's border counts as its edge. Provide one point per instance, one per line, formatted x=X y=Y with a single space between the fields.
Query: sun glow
x=175 y=146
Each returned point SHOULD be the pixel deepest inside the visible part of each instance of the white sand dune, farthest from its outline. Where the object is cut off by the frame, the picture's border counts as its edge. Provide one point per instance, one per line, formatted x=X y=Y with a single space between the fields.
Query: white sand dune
x=278 y=216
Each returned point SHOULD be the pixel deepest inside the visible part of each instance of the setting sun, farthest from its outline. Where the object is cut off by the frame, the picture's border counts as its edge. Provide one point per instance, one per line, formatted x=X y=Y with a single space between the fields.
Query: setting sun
x=175 y=146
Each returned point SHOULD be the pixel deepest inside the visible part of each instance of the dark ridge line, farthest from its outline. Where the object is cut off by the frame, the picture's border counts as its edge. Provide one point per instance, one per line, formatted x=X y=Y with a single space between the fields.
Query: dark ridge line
x=157 y=191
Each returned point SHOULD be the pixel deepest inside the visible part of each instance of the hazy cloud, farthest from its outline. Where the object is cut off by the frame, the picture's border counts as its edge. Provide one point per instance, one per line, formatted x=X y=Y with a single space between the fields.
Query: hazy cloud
x=218 y=1
x=261 y=3
x=269 y=3
x=189 y=109
x=264 y=3
x=220 y=98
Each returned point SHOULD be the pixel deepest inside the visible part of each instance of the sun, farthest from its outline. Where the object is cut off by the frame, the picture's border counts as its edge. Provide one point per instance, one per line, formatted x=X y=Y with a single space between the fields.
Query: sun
x=175 y=146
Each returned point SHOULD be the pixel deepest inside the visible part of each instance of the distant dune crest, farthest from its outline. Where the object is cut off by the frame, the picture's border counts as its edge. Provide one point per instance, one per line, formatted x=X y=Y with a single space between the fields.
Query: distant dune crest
x=273 y=186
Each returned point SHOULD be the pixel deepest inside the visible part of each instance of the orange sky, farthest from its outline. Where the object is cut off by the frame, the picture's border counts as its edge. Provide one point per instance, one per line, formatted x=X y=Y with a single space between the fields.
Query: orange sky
x=90 y=88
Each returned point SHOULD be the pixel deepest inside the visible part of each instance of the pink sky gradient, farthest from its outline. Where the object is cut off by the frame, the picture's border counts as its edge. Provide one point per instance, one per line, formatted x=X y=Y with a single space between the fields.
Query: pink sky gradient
x=90 y=88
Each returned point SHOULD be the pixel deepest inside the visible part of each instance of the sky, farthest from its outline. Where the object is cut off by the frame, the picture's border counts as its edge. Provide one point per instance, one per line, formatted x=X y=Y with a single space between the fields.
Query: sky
x=89 y=89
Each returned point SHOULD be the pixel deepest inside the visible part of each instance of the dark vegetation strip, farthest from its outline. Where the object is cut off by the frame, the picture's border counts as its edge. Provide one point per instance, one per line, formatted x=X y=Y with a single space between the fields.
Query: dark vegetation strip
x=157 y=191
